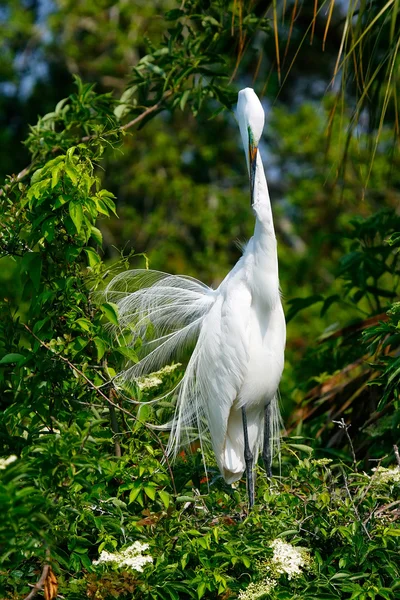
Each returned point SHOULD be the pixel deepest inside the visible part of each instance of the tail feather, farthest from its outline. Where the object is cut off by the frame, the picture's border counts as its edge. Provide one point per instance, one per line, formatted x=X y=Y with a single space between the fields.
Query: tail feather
x=166 y=312
x=276 y=426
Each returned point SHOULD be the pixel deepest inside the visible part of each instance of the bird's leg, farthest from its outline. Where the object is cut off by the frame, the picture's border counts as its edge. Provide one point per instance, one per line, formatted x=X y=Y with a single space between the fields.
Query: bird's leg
x=248 y=459
x=267 y=457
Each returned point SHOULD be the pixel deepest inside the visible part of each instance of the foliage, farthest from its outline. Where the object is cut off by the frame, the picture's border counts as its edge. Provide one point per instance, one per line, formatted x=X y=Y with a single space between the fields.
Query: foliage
x=354 y=370
x=201 y=545
x=80 y=472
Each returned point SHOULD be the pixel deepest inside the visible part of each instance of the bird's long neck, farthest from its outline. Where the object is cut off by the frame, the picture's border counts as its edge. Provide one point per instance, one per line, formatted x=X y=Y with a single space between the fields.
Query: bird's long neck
x=264 y=233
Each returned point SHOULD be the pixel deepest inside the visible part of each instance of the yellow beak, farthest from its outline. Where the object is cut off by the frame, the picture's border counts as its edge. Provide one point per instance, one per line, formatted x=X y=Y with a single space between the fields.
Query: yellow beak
x=252 y=167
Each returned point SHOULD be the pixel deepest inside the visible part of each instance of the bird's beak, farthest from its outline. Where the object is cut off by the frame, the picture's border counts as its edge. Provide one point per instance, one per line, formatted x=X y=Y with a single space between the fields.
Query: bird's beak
x=252 y=165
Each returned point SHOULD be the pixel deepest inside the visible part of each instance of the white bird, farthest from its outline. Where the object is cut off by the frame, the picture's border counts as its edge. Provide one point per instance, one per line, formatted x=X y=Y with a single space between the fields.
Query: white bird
x=231 y=381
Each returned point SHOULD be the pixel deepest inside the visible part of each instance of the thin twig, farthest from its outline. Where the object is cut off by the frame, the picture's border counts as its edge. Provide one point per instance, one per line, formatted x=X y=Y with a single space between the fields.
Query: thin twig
x=15 y=179
x=371 y=481
x=39 y=584
x=137 y=119
x=345 y=427
x=108 y=400
x=148 y=111
x=381 y=509
x=114 y=427
x=346 y=485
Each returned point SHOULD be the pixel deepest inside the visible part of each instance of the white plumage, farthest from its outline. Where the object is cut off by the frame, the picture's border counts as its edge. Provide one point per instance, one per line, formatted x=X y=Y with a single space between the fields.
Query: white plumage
x=238 y=332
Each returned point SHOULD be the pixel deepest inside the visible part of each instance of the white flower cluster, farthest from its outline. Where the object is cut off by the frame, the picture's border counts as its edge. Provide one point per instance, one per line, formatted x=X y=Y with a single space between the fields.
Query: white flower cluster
x=321 y=461
x=254 y=591
x=4 y=462
x=155 y=379
x=131 y=557
x=146 y=383
x=289 y=559
x=382 y=475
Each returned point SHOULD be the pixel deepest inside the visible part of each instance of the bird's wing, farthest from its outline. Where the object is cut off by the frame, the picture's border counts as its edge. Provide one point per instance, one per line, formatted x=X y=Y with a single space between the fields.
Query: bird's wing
x=164 y=311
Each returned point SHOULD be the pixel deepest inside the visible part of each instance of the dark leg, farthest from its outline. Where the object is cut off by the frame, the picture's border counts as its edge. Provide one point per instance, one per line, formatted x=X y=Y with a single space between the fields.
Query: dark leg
x=248 y=459
x=267 y=458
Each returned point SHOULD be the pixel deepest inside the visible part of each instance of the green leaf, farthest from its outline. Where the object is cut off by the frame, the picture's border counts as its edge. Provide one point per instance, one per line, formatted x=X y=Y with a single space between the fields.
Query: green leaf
x=328 y=303
x=107 y=199
x=392 y=531
x=246 y=561
x=201 y=589
x=134 y=493
x=128 y=353
x=165 y=498
x=93 y=257
x=340 y=576
x=110 y=310
x=61 y=200
x=101 y=347
x=101 y=207
x=60 y=105
x=72 y=173
x=301 y=447
x=150 y=492
x=143 y=413
x=48 y=229
x=174 y=14
x=183 y=100
x=84 y=324
x=288 y=532
x=32 y=265
x=11 y=358
x=298 y=304
x=36 y=176
x=96 y=235
x=76 y=214
x=72 y=253
x=79 y=343
x=55 y=175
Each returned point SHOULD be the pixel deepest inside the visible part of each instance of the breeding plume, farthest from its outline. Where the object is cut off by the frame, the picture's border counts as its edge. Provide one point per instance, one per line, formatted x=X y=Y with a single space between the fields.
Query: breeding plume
x=228 y=394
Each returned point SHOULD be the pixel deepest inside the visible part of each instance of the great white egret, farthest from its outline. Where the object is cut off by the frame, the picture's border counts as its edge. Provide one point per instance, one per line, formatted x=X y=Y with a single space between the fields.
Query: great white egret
x=230 y=384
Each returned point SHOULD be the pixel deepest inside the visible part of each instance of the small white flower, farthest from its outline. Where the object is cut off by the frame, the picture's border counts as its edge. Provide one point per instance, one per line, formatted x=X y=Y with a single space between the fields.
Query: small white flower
x=105 y=557
x=289 y=559
x=257 y=590
x=130 y=557
x=146 y=383
x=390 y=475
x=321 y=461
x=4 y=462
x=155 y=379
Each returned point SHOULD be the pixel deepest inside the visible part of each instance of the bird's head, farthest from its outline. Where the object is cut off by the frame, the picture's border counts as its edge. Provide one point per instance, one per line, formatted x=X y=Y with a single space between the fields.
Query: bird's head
x=250 y=115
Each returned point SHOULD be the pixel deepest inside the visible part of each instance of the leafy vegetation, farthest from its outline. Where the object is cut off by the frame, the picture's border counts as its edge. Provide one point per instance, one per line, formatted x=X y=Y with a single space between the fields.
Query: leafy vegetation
x=82 y=476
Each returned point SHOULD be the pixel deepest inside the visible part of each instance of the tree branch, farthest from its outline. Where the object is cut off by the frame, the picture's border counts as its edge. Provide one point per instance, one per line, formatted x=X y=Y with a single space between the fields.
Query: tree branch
x=346 y=485
x=40 y=584
x=345 y=428
x=87 y=138
x=137 y=119
x=108 y=400
x=15 y=179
